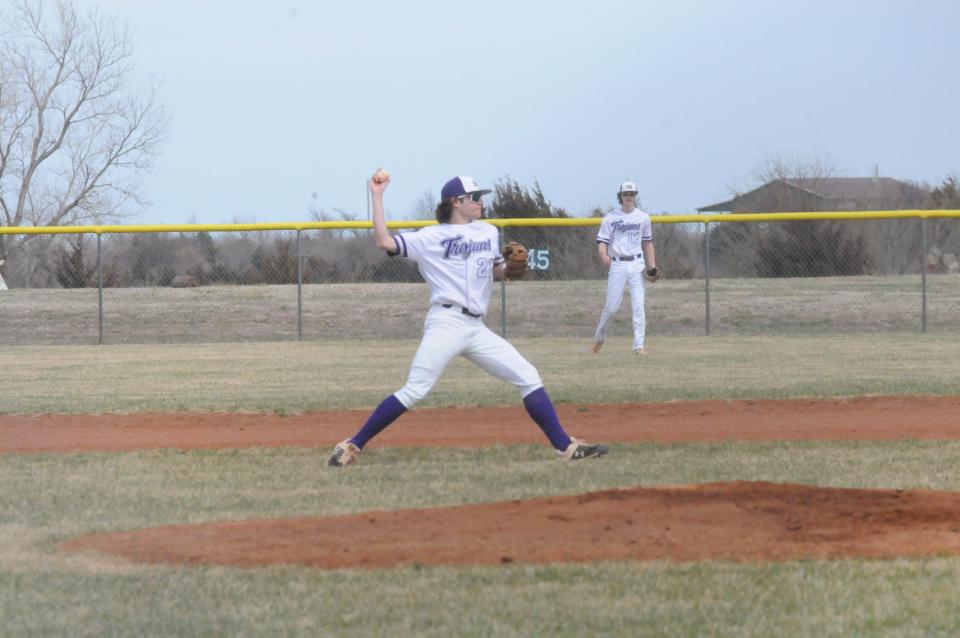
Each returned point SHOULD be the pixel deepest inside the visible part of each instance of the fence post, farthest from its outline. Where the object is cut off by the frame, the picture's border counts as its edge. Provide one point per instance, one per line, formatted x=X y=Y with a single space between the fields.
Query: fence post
x=923 y=276
x=503 y=295
x=100 y=287
x=299 y=288
x=706 y=273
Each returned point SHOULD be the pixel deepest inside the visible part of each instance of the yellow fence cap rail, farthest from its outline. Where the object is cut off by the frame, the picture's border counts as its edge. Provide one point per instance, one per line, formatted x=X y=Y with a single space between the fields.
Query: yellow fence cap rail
x=512 y=222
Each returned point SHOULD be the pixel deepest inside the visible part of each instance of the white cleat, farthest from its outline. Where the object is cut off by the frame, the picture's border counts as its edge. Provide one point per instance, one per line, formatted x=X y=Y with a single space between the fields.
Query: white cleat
x=344 y=453
x=581 y=450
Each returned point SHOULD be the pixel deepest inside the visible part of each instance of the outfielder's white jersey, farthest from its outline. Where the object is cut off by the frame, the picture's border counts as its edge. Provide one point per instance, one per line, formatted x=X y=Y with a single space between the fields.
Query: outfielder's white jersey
x=624 y=232
x=456 y=260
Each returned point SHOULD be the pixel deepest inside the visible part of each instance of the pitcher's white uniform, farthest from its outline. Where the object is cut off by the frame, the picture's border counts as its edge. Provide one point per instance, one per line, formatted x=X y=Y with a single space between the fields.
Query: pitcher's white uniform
x=457 y=262
x=624 y=233
x=459 y=259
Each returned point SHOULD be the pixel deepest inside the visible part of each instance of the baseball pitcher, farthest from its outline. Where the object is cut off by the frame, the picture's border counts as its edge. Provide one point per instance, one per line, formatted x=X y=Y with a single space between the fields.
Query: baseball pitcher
x=459 y=258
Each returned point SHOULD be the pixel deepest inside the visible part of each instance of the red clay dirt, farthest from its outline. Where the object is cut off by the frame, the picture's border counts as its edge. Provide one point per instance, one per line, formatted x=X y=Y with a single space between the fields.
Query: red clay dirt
x=862 y=418
x=725 y=521
x=728 y=521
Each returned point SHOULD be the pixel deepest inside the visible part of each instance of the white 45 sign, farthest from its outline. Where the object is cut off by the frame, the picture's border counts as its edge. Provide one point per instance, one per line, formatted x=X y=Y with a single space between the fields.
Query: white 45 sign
x=538 y=259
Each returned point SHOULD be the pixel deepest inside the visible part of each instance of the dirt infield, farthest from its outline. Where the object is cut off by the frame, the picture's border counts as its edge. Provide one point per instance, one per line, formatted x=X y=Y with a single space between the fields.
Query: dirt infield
x=728 y=521
x=865 y=418
x=725 y=521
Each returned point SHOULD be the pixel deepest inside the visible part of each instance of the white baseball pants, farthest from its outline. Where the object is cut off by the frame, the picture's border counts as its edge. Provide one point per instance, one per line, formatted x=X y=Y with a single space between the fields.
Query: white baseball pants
x=623 y=274
x=448 y=333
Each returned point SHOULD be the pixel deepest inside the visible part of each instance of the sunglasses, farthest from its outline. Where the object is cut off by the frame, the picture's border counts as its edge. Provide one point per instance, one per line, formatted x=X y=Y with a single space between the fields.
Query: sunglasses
x=474 y=197
x=628 y=194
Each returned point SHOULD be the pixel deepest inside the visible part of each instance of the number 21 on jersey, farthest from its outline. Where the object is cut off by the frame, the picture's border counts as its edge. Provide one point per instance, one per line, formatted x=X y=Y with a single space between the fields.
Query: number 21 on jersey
x=484 y=268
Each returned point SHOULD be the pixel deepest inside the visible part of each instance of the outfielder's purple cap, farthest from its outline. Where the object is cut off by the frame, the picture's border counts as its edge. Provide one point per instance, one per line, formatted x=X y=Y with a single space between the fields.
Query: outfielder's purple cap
x=460 y=186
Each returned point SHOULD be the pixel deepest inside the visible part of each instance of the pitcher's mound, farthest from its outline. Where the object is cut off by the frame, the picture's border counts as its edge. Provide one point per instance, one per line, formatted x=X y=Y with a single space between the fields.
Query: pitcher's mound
x=727 y=521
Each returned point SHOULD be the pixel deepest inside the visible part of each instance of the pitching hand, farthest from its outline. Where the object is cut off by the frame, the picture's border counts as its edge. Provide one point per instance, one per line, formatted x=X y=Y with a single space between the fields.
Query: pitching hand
x=379 y=181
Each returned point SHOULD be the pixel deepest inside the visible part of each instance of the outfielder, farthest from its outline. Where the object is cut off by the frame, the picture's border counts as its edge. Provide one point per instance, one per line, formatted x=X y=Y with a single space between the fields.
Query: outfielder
x=459 y=258
x=625 y=245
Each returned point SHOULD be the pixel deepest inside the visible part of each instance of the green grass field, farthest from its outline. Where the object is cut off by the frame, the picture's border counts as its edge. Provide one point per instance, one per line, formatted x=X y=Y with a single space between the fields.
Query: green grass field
x=291 y=377
x=47 y=498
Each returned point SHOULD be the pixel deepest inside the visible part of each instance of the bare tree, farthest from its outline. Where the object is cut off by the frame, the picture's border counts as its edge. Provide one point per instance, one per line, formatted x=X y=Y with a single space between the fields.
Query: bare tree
x=426 y=206
x=769 y=190
x=776 y=169
x=76 y=135
x=338 y=215
x=945 y=233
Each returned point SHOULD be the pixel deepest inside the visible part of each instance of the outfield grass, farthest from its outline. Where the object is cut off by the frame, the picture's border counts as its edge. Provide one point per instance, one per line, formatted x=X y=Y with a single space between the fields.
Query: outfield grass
x=47 y=498
x=50 y=497
x=292 y=377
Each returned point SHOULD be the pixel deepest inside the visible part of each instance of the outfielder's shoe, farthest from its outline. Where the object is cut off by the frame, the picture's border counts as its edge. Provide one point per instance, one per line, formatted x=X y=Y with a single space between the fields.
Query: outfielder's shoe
x=344 y=453
x=581 y=450
x=596 y=347
x=639 y=351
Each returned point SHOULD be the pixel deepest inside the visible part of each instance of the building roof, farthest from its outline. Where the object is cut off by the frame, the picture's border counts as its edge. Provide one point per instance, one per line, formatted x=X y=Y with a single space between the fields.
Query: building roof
x=866 y=192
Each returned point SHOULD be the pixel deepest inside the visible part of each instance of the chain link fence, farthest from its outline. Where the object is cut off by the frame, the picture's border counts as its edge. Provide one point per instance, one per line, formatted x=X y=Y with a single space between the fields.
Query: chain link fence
x=751 y=274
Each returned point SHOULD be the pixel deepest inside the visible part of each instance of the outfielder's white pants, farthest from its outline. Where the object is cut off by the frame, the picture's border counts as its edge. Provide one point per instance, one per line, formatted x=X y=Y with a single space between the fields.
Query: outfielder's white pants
x=448 y=333
x=623 y=274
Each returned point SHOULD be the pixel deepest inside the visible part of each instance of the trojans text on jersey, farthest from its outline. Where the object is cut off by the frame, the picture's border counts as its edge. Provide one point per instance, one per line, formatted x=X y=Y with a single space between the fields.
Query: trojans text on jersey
x=621 y=226
x=457 y=247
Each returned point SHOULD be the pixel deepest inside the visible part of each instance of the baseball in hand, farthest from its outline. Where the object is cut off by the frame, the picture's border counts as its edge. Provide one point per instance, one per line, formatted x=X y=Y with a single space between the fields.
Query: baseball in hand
x=381 y=176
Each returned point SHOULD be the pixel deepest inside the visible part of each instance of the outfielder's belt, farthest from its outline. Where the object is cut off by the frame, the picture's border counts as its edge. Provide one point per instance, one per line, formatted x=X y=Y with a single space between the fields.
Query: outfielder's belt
x=462 y=309
x=630 y=258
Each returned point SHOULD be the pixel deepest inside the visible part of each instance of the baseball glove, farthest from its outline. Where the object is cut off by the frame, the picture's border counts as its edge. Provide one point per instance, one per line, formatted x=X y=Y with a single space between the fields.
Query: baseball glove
x=653 y=274
x=516 y=264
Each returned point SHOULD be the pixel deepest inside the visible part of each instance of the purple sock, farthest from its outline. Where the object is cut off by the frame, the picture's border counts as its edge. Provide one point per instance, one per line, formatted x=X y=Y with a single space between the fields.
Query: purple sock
x=540 y=408
x=385 y=414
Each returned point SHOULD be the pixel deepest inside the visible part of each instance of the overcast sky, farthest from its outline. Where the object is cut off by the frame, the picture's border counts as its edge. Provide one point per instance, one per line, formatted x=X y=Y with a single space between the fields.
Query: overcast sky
x=278 y=107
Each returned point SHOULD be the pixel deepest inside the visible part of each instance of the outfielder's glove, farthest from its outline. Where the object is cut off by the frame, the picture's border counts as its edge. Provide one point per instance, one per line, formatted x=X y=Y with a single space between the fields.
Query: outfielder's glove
x=653 y=274
x=516 y=261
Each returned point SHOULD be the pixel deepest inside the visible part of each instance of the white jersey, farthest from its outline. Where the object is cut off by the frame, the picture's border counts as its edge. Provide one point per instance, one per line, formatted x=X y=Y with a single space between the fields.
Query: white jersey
x=456 y=260
x=623 y=232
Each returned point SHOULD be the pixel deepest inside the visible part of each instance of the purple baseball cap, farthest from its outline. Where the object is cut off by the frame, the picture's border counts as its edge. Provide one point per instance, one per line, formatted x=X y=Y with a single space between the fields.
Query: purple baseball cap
x=460 y=186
